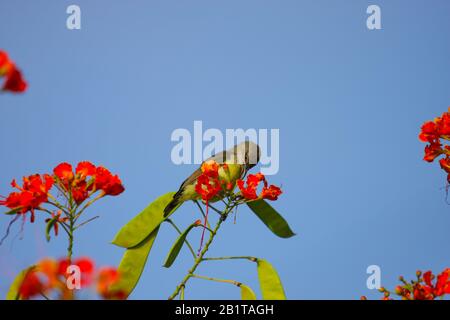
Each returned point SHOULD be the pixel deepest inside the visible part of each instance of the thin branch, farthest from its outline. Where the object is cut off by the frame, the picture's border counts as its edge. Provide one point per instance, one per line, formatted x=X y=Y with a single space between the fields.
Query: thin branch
x=197 y=262
x=59 y=207
x=51 y=213
x=216 y=210
x=86 y=222
x=253 y=259
x=185 y=240
x=182 y=293
x=43 y=295
x=62 y=191
x=203 y=212
x=236 y=283
x=8 y=229
x=206 y=228
x=101 y=195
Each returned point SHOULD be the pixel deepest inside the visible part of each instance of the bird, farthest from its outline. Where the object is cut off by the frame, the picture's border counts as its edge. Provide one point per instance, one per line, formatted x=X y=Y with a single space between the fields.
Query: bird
x=239 y=159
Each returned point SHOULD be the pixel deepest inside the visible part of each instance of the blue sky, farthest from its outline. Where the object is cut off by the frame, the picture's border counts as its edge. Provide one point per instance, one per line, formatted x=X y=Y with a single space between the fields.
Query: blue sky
x=349 y=103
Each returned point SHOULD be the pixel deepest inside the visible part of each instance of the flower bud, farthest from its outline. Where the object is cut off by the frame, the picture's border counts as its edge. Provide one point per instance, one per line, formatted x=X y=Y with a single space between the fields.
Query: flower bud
x=399 y=290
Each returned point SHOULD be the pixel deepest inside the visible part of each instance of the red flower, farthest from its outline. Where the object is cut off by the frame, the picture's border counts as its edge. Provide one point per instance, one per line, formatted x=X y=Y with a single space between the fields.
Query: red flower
x=249 y=191
x=106 y=278
x=81 y=187
x=425 y=289
x=445 y=164
x=442 y=285
x=13 y=201
x=86 y=268
x=33 y=193
x=14 y=81
x=85 y=169
x=50 y=274
x=64 y=173
x=59 y=219
x=3 y=58
x=432 y=151
x=428 y=132
x=271 y=193
x=253 y=180
x=208 y=184
x=114 y=187
x=443 y=124
x=109 y=184
x=432 y=132
x=31 y=286
x=5 y=64
x=211 y=168
x=80 y=192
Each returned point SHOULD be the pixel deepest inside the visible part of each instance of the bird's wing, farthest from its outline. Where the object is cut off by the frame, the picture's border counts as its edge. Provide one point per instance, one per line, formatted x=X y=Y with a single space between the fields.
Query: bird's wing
x=190 y=180
x=220 y=157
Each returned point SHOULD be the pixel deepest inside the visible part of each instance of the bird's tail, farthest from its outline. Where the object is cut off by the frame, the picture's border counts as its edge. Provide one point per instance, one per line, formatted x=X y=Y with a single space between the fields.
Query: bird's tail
x=172 y=205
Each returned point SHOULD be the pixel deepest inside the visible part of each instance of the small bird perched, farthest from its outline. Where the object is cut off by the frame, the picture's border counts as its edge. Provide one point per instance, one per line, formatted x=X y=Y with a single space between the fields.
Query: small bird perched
x=239 y=160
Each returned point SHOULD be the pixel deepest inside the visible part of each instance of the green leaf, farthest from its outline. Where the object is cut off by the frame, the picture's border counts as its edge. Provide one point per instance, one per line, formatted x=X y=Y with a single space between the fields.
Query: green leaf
x=13 y=292
x=272 y=219
x=133 y=263
x=175 y=250
x=247 y=293
x=271 y=287
x=49 y=227
x=13 y=211
x=138 y=228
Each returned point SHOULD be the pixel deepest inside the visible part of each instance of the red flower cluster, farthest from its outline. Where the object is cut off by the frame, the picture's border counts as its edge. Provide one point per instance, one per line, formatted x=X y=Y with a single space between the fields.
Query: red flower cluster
x=433 y=132
x=208 y=184
x=31 y=195
x=106 y=278
x=49 y=278
x=422 y=288
x=78 y=186
x=249 y=191
x=14 y=79
x=86 y=180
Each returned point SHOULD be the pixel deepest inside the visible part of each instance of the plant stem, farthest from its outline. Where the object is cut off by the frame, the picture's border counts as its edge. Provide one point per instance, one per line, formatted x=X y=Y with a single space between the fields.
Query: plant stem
x=217 y=280
x=203 y=212
x=182 y=294
x=254 y=259
x=182 y=285
x=44 y=295
x=185 y=241
x=87 y=205
x=71 y=232
x=86 y=222
x=70 y=247
x=216 y=210
x=197 y=261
